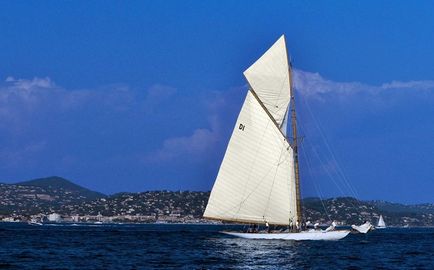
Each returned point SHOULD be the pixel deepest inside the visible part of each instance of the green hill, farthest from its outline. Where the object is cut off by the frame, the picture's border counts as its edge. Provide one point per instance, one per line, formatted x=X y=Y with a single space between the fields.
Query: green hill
x=57 y=183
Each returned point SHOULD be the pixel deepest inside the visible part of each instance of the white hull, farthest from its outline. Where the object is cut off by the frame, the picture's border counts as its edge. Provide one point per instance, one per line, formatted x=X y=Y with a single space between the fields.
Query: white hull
x=306 y=235
x=35 y=223
x=380 y=228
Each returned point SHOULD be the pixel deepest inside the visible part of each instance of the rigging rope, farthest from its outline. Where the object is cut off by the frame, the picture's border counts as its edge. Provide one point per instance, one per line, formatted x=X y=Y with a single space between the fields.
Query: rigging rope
x=339 y=172
x=317 y=188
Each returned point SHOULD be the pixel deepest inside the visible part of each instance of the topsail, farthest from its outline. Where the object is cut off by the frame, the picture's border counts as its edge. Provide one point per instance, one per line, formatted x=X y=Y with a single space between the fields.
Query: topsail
x=269 y=78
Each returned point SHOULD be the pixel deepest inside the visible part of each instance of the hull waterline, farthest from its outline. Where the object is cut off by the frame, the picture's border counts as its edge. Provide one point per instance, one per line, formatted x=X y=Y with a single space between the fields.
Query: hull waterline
x=301 y=236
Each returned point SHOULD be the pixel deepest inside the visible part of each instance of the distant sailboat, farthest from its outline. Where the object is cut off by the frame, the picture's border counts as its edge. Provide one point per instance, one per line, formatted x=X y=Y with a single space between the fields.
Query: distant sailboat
x=381 y=224
x=258 y=180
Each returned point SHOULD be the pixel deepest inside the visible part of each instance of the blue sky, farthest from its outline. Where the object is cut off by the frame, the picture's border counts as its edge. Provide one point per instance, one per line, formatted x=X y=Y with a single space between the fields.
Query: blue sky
x=134 y=96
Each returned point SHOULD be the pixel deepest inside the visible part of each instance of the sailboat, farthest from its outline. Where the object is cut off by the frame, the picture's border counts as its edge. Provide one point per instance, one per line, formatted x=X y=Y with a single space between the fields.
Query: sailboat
x=381 y=224
x=258 y=180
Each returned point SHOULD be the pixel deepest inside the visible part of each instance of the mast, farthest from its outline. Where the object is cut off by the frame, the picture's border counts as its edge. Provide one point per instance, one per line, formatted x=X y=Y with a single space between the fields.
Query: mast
x=295 y=149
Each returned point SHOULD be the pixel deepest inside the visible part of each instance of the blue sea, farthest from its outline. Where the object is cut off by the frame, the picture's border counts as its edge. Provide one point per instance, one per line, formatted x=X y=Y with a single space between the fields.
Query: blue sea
x=161 y=246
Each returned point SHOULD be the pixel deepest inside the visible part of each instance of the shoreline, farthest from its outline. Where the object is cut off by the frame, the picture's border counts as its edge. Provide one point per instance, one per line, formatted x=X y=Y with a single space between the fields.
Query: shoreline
x=168 y=223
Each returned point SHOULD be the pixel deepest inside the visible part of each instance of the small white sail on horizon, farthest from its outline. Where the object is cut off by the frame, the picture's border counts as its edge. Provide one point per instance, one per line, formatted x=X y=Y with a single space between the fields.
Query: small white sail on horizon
x=381 y=224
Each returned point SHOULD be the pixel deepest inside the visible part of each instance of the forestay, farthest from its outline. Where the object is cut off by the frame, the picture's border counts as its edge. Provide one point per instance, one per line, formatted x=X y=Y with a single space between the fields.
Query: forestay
x=255 y=182
x=269 y=78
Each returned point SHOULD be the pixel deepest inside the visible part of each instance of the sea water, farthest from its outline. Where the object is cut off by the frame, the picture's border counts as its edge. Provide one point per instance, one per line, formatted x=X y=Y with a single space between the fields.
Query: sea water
x=160 y=246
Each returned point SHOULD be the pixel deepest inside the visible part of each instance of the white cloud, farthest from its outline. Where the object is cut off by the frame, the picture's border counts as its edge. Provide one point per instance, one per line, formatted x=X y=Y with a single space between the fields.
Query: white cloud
x=195 y=145
x=160 y=92
x=20 y=99
x=24 y=100
x=202 y=142
x=38 y=109
x=36 y=82
x=156 y=95
x=418 y=85
x=27 y=93
x=312 y=84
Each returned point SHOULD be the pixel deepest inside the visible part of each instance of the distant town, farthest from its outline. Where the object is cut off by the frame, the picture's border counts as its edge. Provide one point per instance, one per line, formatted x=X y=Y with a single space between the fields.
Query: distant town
x=55 y=199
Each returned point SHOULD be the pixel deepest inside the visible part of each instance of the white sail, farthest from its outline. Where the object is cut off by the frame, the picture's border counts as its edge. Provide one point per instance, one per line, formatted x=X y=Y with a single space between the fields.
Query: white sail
x=364 y=228
x=255 y=182
x=381 y=222
x=269 y=78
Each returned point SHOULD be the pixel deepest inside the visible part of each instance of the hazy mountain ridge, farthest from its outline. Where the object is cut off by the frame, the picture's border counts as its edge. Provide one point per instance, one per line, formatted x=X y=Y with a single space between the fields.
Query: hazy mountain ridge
x=402 y=208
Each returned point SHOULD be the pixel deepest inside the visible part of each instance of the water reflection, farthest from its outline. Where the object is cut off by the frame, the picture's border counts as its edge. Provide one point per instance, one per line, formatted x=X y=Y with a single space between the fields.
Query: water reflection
x=249 y=254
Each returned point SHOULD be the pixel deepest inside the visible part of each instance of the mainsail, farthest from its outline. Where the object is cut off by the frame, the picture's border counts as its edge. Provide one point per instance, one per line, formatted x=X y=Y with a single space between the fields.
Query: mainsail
x=256 y=180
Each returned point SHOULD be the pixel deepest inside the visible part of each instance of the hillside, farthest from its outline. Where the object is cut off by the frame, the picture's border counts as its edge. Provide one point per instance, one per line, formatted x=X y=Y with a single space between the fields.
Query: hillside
x=352 y=211
x=44 y=194
x=59 y=183
x=427 y=208
x=54 y=194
